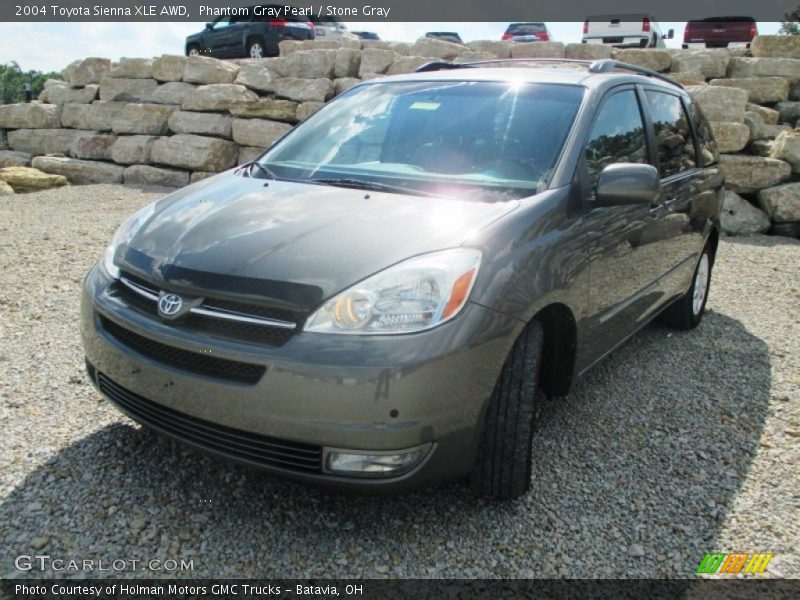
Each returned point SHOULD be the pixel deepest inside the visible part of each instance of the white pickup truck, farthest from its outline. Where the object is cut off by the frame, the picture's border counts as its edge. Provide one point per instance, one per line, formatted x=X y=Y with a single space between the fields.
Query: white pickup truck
x=625 y=31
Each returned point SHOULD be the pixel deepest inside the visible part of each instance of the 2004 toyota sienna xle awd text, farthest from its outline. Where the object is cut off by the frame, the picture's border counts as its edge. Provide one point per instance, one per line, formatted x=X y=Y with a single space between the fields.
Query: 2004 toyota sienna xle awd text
x=384 y=298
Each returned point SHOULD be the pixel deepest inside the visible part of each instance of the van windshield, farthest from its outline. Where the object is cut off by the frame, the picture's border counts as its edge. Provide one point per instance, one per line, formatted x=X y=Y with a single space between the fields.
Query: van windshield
x=473 y=139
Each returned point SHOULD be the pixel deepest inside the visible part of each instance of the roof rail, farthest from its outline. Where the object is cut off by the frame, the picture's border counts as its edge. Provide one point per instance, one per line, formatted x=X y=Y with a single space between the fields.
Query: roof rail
x=442 y=65
x=604 y=65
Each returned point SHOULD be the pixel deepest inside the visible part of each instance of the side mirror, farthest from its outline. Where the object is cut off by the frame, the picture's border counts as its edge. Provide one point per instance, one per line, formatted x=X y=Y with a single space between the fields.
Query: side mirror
x=209 y=26
x=626 y=184
x=670 y=34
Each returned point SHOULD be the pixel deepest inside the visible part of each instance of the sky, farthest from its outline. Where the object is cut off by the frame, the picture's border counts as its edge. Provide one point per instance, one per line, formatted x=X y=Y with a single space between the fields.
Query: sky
x=52 y=46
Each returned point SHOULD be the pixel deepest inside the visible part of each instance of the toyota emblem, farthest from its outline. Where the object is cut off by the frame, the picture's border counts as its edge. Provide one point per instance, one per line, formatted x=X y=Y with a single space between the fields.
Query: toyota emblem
x=170 y=304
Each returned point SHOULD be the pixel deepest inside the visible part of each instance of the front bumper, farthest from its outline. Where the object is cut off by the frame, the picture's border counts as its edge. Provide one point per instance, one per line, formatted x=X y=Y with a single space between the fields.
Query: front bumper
x=363 y=393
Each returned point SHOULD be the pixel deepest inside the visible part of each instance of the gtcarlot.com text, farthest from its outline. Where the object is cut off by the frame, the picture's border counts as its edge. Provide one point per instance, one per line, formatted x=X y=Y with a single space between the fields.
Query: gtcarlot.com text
x=45 y=562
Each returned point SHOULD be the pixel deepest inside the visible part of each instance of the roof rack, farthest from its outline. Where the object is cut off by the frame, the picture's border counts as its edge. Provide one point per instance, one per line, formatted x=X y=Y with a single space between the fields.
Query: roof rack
x=440 y=65
x=604 y=65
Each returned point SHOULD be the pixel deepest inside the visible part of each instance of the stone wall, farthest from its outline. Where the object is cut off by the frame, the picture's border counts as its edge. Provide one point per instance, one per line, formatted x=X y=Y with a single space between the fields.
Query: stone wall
x=172 y=120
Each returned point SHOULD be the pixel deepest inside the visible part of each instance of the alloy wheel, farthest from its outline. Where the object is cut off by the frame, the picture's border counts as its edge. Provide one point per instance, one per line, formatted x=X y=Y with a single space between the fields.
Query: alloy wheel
x=256 y=51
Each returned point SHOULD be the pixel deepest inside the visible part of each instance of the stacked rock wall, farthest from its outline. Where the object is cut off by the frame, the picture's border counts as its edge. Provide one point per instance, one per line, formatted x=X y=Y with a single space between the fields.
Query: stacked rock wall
x=171 y=120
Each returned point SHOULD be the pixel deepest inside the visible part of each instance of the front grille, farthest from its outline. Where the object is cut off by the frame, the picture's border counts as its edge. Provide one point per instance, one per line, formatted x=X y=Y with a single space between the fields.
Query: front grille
x=245 y=332
x=244 y=445
x=240 y=331
x=135 y=300
x=193 y=362
x=252 y=309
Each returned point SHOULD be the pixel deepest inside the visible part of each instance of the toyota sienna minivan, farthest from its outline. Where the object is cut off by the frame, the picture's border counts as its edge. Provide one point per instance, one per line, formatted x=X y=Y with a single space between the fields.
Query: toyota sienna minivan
x=383 y=300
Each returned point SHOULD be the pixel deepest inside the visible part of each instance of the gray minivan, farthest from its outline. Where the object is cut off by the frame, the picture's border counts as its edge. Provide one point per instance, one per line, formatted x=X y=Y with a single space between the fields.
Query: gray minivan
x=384 y=298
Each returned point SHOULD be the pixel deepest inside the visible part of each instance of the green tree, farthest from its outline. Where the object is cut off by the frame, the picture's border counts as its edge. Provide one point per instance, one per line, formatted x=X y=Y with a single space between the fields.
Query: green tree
x=791 y=23
x=12 y=80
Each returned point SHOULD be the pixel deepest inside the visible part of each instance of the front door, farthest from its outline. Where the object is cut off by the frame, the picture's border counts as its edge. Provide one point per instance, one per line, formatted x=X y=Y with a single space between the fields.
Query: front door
x=225 y=36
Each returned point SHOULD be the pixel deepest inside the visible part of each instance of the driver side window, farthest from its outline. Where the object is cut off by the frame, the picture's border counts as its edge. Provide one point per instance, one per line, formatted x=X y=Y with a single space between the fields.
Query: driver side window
x=617 y=135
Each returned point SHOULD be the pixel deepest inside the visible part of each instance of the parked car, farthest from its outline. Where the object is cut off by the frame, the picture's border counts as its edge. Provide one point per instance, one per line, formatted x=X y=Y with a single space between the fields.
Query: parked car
x=625 y=31
x=383 y=299
x=445 y=36
x=367 y=35
x=250 y=36
x=331 y=29
x=719 y=32
x=527 y=32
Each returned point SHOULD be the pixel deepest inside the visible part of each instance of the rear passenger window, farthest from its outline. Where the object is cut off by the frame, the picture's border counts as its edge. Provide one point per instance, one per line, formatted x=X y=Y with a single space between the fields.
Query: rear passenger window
x=617 y=135
x=674 y=143
x=705 y=137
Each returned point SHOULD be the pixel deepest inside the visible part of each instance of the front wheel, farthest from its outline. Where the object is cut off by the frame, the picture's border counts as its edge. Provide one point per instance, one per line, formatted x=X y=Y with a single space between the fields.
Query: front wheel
x=687 y=311
x=503 y=469
x=193 y=50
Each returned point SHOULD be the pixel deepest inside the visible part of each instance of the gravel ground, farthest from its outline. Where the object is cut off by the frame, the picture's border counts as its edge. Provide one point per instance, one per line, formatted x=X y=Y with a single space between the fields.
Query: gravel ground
x=677 y=445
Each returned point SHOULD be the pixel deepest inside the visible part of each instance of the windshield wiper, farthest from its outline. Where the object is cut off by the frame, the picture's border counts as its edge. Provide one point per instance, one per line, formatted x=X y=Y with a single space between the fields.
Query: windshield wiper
x=361 y=184
x=255 y=164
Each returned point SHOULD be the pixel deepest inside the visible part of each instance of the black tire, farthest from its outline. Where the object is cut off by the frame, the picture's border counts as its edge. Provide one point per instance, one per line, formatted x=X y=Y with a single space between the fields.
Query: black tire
x=193 y=49
x=683 y=314
x=503 y=469
x=252 y=44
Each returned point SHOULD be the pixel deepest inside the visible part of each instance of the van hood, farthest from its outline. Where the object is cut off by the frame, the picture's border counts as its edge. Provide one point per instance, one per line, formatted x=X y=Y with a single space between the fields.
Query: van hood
x=291 y=244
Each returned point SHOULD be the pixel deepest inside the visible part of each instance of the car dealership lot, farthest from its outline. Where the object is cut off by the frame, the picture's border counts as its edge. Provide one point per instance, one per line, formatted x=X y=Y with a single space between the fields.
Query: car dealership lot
x=677 y=445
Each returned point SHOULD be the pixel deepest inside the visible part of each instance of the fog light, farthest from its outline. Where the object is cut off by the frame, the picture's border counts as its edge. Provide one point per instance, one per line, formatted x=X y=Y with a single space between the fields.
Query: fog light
x=359 y=463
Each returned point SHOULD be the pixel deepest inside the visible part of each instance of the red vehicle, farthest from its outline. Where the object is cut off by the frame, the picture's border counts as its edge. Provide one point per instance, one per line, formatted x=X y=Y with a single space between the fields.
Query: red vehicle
x=720 y=32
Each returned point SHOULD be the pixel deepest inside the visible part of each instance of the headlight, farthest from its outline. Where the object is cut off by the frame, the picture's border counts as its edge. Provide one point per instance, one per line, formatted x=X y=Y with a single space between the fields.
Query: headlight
x=413 y=295
x=123 y=235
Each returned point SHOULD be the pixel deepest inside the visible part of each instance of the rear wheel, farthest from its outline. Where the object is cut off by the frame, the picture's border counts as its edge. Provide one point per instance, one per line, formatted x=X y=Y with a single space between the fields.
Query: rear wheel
x=688 y=310
x=193 y=50
x=255 y=48
x=503 y=469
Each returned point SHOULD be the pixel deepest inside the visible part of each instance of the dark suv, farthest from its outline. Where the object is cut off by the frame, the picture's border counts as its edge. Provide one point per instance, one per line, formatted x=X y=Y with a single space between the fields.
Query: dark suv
x=384 y=298
x=253 y=35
